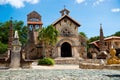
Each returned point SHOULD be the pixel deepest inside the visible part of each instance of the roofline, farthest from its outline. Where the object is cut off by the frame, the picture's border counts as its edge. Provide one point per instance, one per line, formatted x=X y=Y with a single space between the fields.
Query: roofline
x=112 y=37
x=55 y=22
x=108 y=38
x=35 y=12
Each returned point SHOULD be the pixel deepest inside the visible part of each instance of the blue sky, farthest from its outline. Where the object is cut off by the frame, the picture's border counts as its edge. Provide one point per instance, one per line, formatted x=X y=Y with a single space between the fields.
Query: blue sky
x=89 y=13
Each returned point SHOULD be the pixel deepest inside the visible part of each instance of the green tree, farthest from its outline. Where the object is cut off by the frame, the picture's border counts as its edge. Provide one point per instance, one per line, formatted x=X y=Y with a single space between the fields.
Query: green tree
x=22 y=30
x=17 y=25
x=83 y=34
x=94 y=39
x=4 y=31
x=117 y=34
x=48 y=36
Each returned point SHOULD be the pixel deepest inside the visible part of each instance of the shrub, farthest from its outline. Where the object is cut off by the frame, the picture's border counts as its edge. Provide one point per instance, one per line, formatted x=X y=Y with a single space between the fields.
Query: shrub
x=46 y=61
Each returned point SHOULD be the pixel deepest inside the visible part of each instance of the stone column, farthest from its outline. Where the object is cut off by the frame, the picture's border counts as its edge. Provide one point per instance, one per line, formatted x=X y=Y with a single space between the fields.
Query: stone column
x=75 y=52
x=59 y=52
x=15 y=54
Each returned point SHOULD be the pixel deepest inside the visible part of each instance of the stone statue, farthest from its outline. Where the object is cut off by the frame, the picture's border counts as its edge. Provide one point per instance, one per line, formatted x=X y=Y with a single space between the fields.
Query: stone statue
x=113 y=59
x=16 y=35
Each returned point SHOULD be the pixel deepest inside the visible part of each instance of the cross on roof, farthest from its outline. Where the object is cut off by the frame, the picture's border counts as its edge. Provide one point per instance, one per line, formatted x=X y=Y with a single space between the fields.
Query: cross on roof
x=64 y=6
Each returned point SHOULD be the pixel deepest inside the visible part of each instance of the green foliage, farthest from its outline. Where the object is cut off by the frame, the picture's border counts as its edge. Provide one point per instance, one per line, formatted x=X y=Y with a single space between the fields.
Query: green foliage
x=83 y=34
x=17 y=25
x=94 y=39
x=46 y=61
x=116 y=34
x=52 y=34
x=22 y=30
x=47 y=36
x=4 y=30
x=3 y=48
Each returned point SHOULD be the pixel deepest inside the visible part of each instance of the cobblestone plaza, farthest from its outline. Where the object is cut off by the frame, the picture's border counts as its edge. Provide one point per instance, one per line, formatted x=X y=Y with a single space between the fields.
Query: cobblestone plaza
x=59 y=74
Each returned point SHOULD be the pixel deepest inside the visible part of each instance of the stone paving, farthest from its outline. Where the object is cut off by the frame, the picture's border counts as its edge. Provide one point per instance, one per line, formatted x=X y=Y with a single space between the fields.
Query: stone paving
x=53 y=73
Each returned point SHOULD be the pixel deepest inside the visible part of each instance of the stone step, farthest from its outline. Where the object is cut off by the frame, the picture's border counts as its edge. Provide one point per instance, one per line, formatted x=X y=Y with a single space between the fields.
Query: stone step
x=66 y=60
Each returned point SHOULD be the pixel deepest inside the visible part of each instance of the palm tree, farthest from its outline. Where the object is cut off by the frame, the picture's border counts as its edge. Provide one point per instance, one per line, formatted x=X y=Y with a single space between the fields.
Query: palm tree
x=47 y=36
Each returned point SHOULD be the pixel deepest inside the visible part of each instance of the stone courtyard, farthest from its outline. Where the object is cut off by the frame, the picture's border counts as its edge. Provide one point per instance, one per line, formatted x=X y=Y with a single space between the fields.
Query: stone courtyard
x=59 y=72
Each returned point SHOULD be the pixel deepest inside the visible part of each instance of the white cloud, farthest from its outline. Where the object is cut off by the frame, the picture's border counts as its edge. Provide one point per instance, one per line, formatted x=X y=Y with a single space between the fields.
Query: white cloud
x=115 y=10
x=97 y=2
x=80 y=1
x=18 y=3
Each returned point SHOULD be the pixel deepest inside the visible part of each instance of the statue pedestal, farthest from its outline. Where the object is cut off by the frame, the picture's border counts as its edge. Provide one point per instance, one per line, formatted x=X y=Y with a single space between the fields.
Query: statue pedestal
x=15 y=60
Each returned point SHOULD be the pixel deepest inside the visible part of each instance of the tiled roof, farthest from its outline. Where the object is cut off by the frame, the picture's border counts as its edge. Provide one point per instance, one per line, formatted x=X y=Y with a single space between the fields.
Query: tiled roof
x=108 y=38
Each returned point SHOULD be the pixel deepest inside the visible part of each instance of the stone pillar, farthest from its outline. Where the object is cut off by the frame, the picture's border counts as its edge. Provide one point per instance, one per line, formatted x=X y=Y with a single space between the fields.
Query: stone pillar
x=75 y=52
x=15 y=54
x=59 y=52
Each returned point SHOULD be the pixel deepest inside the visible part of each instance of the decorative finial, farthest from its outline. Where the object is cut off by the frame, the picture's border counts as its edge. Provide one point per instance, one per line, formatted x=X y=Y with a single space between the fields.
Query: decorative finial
x=64 y=6
x=100 y=24
x=11 y=18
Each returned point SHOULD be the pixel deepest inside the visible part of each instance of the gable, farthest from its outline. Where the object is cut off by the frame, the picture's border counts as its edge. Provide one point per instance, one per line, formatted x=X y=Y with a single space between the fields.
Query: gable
x=66 y=17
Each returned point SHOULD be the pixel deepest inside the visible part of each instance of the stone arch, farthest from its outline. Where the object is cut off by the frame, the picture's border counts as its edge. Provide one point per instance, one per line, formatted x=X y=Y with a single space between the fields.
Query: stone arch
x=71 y=42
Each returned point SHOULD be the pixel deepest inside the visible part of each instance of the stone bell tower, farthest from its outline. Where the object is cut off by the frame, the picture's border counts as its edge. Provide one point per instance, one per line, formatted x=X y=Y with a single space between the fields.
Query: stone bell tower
x=34 y=23
x=64 y=12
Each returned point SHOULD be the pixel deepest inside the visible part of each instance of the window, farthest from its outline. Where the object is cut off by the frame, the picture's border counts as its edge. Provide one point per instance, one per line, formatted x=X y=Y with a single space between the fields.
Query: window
x=65 y=32
x=34 y=19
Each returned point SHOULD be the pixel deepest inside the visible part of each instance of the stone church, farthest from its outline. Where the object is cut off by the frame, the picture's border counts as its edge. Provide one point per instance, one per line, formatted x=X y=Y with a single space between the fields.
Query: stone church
x=70 y=43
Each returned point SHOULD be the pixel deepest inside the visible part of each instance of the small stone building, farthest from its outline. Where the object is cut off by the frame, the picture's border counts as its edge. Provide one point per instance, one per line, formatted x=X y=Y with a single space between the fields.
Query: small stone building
x=70 y=43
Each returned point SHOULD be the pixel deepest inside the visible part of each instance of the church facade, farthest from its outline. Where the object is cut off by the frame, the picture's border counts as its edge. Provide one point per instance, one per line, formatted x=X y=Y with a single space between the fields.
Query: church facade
x=70 y=43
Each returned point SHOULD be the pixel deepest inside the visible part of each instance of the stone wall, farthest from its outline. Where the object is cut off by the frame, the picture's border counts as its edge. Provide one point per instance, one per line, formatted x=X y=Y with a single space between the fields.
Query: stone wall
x=96 y=64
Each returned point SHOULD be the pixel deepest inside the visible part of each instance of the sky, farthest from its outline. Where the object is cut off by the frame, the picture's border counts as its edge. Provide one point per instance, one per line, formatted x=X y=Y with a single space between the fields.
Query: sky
x=89 y=13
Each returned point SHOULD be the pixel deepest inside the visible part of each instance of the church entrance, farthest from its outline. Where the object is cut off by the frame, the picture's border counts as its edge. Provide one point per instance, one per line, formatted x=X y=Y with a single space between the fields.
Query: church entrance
x=66 y=50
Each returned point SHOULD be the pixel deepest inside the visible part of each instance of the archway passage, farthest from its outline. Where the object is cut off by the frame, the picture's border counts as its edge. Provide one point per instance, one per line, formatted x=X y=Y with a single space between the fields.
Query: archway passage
x=66 y=50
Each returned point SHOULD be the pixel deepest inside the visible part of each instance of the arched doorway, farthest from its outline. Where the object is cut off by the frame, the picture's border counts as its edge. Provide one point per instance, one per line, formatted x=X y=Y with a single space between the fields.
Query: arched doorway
x=66 y=50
